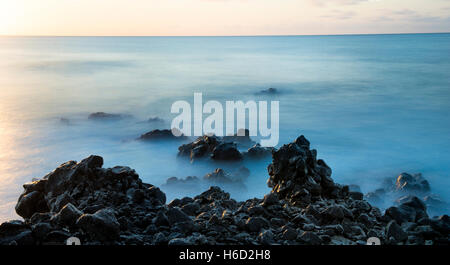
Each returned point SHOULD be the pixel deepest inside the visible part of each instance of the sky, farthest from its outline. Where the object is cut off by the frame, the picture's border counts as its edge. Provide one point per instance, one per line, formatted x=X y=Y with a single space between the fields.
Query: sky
x=221 y=17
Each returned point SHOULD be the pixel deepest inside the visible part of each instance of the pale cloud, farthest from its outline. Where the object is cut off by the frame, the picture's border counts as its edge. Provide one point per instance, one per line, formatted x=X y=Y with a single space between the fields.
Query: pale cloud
x=340 y=14
x=339 y=2
x=221 y=17
x=412 y=17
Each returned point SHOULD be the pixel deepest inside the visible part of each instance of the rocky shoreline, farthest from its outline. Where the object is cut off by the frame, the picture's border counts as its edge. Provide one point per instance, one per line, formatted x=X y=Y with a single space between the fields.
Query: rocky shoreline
x=113 y=206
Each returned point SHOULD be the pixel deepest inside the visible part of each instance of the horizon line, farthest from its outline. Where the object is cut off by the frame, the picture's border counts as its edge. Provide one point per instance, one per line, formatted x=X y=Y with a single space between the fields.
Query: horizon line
x=256 y=35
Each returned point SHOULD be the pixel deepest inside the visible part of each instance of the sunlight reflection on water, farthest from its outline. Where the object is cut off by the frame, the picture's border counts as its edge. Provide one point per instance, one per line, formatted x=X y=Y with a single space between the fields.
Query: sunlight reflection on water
x=373 y=106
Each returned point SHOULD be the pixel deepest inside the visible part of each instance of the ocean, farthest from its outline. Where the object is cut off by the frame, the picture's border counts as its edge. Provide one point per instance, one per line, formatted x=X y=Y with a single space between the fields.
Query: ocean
x=373 y=106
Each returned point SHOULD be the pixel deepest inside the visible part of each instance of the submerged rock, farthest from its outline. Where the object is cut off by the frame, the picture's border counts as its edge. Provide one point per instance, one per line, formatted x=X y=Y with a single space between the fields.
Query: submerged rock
x=257 y=151
x=394 y=190
x=192 y=184
x=226 y=151
x=155 y=120
x=107 y=116
x=220 y=176
x=201 y=147
x=412 y=183
x=222 y=148
x=269 y=91
x=160 y=135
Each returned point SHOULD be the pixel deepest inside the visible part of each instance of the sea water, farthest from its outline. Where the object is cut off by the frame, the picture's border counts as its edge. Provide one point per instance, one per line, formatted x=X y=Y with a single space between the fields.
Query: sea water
x=373 y=106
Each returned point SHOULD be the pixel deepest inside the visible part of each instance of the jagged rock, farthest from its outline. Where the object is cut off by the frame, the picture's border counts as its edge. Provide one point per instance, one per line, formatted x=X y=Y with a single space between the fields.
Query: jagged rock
x=191 y=181
x=255 y=224
x=233 y=180
x=161 y=219
x=220 y=176
x=296 y=174
x=361 y=206
x=218 y=148
x=401 y=214
x=69 y=214
x=395 y=231
x=201 y=147
x=102 y=225
x=306 y=207
x=266 y=237
x=417 y=204
x=269 y=91
x=334 y=212
x=257 y=151
x=161 y=135
x=394 y=190
x=41 y=230
x=15 y=231
x=441 y=224
x=411 y=209
x=31 y=203
x=57 y=237
x=158 y=197
x=160 y=239
x=191 y=208
x=290 y=233
x=412 y=183
x=175 y=215
x=310 y=238
x=106 y=116
x=155 y=120
x=270 y=199
x=356 y=195
x=226 y=151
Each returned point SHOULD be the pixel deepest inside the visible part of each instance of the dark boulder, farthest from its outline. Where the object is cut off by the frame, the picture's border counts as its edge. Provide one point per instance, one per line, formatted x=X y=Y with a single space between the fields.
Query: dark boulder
x=257 y=151
x=393 y=230
x=298 y=176
x=175 y=215
x=255 y=224
x=310 y=238
x=201 y=147
x=356 y=195
x=102 y=225
x=30 y=203
x=218 y=176
x=401 y=214
x=270 y=199
x=69 y=214
x=155 y=120
x=157 y=134
x=269 y=91
x=226 y=151
x=15 y=232
x=106 y=116
x=412 y=183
